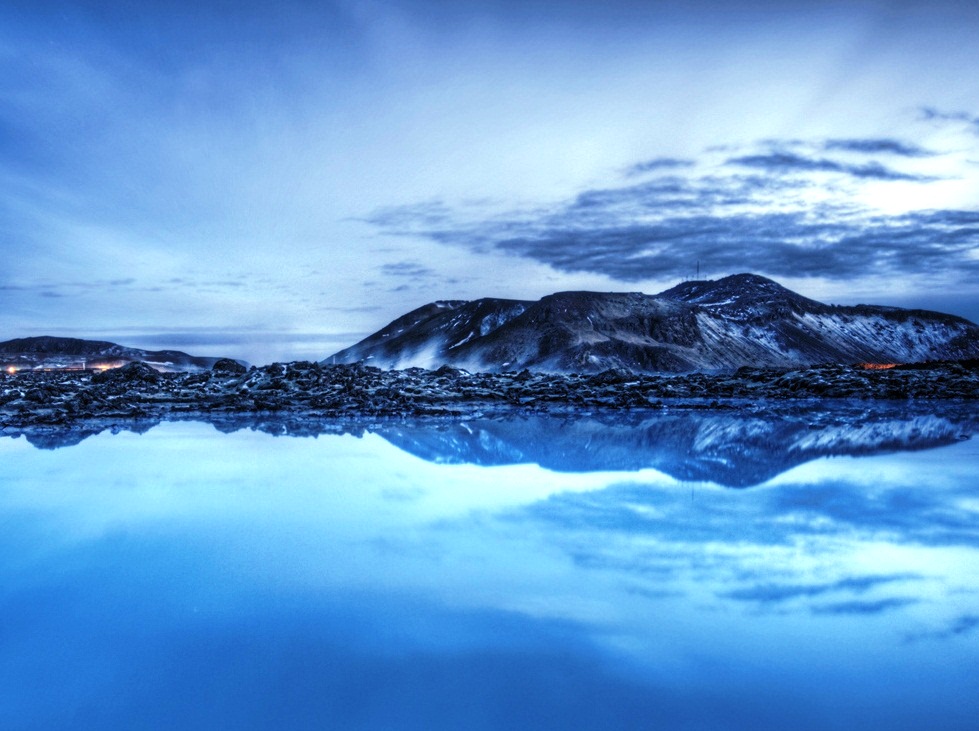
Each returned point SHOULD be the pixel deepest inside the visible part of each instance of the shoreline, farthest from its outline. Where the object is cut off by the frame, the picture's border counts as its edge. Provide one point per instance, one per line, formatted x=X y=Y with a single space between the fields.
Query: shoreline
x=314 y=391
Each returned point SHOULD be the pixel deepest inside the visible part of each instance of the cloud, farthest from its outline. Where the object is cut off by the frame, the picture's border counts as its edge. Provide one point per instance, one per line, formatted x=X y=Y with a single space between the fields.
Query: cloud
x=931 y=114
x=777 y=593
x=426 y=213
x=959 y=626
x=806 y=222
x=656 y=164
x=782 y=244
x=860 y=607
x=406 y=269
x=361 y=308
x=787 y=162
x=877 y=146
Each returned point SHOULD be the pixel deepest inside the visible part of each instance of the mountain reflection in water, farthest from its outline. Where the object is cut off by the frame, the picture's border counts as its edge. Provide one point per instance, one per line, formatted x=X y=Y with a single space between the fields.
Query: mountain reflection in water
x=737 y=445
x=505 y=573
x=732 y=447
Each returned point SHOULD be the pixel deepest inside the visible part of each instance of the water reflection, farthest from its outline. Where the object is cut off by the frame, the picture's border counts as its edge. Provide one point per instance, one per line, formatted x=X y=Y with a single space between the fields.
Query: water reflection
x=406 y=576
x=737 y=446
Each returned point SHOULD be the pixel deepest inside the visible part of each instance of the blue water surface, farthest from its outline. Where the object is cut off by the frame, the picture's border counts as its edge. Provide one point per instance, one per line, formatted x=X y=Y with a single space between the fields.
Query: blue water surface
x=675 y=571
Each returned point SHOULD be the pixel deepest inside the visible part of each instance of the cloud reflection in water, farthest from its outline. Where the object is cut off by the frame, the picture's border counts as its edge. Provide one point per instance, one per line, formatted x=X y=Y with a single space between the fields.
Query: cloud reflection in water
x=295 y=583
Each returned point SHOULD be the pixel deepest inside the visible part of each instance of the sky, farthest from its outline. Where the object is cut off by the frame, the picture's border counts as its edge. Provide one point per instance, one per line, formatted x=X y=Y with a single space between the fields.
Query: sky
x=275 y=181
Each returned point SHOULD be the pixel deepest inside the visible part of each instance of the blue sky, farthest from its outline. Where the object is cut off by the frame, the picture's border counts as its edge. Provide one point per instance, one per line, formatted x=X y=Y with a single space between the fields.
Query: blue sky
x=276 y=180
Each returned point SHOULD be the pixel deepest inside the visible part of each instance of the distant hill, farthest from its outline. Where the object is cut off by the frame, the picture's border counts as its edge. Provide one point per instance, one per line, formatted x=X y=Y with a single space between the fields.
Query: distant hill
x=740 y=320
x=75 y=353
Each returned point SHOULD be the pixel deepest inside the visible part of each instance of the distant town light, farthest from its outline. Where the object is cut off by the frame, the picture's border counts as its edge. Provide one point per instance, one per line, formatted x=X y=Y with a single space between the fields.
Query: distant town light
x=11 y=370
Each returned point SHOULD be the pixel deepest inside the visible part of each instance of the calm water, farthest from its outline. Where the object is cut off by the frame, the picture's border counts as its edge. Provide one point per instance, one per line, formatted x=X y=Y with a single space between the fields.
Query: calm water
x=674 y=571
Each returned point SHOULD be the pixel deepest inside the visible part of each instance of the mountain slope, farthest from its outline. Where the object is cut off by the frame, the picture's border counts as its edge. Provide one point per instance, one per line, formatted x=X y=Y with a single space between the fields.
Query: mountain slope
x=736 y=321
x=74 y=353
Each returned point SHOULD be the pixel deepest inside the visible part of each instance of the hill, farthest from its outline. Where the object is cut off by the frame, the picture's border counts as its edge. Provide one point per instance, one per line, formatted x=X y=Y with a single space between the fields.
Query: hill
x=46 y=352
x=740 y=320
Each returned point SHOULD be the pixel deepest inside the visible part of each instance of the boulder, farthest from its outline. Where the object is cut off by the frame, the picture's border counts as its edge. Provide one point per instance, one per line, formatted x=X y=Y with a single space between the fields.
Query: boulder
x=136 y=372
x=229 y=367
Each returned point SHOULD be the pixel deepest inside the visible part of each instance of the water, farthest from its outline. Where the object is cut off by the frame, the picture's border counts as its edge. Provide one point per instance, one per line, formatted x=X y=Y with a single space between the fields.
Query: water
x=701 y=570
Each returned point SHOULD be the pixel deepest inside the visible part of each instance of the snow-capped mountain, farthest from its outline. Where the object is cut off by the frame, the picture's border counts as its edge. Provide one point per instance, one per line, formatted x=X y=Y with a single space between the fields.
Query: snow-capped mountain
x=740 y=320
x=78 y=354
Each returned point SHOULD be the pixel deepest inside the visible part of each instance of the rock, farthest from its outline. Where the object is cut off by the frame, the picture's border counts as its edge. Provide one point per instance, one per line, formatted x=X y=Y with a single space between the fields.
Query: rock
x=613 y=376
x=303 y=389
x=137 y=372
x=229 y=367
x=444 y=371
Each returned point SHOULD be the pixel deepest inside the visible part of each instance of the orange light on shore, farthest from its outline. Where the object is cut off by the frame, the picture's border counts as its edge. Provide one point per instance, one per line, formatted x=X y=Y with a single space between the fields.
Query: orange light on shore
x=877 y=366
x=105 y=365
x=11 y=370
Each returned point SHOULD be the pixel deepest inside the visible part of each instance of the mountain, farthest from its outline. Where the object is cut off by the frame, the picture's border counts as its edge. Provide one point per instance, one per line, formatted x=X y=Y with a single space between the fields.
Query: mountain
x=740 y=320
x=76 y=354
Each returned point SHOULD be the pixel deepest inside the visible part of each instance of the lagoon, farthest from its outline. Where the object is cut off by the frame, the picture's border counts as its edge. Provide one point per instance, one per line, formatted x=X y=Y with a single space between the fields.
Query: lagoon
x=815 y=569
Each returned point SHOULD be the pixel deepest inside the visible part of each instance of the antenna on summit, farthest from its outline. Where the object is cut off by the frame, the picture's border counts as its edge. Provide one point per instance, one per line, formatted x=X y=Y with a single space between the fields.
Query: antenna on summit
x=698 y=270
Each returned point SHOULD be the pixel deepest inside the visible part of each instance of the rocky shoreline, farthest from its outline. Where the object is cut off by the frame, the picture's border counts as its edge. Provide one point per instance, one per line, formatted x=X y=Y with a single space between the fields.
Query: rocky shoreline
x=307 y=389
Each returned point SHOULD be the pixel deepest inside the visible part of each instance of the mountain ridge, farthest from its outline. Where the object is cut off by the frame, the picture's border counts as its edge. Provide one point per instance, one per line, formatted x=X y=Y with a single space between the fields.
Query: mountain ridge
x=710 y=325
x=60 y=353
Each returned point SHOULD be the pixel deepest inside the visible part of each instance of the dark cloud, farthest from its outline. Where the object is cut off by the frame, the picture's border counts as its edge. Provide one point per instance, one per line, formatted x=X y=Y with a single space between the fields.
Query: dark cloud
x=860 y=607
x=659 y=163
x=877 y=146
x=428 y=213
x=67 y=288
x=363 y=308
x=930 y=114
x=788 y=162
x=782 y=244
x=406 y=269
x=777 y=593
x=729 y=221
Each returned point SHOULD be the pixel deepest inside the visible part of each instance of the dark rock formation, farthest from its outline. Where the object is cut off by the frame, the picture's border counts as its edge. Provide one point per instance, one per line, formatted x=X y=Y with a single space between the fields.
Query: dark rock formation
x=741 y=320
x=131 y=374
x=230 y=367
